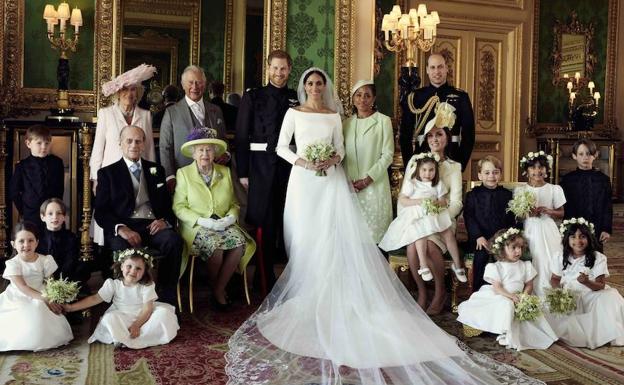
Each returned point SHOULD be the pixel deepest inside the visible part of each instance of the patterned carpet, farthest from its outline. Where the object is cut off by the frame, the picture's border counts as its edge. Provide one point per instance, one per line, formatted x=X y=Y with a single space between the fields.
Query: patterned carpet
x=196 y=355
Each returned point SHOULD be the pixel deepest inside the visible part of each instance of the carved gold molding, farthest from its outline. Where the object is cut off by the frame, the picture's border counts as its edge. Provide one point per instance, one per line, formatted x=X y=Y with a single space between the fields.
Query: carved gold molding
x=104 y=28
x=608 y=127
x=227 y=46
x=275 y=18
x=3 y=203
x=343 y=49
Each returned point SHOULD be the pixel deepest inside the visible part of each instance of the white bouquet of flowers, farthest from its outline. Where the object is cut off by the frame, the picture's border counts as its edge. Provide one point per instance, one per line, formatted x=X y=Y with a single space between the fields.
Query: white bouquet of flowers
x=60 y=290
x=528 y=308
x=522 y=204
x=560 y=301
x=319 y=152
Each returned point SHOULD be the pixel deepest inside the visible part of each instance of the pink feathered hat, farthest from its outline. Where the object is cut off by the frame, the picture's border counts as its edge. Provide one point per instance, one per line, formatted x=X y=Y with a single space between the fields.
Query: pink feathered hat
x=128 y=78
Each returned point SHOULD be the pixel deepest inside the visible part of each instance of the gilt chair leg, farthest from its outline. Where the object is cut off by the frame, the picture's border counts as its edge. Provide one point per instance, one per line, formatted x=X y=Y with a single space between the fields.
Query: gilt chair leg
x=191 y=283
x=179 y=296
x=246 y=286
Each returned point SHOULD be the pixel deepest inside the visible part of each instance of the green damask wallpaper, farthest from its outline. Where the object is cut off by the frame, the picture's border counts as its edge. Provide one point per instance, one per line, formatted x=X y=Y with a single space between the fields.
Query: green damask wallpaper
x=40 y=60
x=385 y=80
x=211 y=38
x=310 y=36
x=551 y=100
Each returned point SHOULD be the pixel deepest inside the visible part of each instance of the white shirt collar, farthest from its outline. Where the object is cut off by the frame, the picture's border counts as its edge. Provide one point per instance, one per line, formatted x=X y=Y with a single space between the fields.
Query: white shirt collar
x=130 y=163
x=190 y=102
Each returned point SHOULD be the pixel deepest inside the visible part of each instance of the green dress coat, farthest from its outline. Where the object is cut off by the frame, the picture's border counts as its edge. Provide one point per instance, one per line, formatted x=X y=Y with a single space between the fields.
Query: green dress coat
x=369 y=149
x=193 y=199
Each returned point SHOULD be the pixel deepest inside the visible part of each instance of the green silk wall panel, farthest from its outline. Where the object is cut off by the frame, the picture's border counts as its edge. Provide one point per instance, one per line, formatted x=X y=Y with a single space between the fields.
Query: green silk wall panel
x=211 y=38
x=385 y=80
x=552 y=100
x=310 y=36
x=40 y=60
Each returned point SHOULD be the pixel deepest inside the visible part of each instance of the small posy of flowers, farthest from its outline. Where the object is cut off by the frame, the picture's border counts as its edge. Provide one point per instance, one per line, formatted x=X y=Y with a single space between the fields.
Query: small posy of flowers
x=153 y=170
x=522 y=204
x=529 y=308
x=499 y=242
x=319 y=152
x=431 y=207
x=532 y=155
x=60 y=290
x=431 y=155
x=563 y=227
x=560 y=301
x=121 y=255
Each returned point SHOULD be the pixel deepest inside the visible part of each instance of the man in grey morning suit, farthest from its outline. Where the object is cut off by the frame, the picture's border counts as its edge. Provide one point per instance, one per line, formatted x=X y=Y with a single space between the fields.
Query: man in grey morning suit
x=179 y=120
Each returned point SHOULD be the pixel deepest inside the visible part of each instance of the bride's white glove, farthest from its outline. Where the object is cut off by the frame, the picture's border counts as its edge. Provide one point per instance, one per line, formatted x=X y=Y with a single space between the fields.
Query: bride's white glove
x=227 y=221
x=211 y=224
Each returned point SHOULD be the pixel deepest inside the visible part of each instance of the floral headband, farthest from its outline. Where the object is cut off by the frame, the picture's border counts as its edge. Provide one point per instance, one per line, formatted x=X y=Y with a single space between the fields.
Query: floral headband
x=566 y=224
x=121 y=255
x=430 y=155
x=499 y=242
x=533 y=155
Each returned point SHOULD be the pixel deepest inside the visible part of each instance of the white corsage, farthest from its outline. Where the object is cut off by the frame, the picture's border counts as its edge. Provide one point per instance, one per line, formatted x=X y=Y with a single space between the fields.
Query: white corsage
x=153 y=170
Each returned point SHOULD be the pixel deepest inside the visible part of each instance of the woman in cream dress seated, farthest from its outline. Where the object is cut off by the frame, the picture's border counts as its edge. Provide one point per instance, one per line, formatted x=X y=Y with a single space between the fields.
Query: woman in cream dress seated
x=207 y=208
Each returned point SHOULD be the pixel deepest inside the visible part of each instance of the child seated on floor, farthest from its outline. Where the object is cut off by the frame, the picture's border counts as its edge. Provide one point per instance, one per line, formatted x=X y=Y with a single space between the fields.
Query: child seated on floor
x=491 y=308
x=599 y=315
x=28 y=321
x=134 y=319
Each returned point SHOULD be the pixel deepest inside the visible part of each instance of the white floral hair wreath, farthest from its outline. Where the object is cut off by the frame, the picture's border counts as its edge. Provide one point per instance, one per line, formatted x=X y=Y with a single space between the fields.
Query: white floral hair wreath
x=533 y=155
x=499 y=242
x=121 y=255
x=430 y=155
x=576 y=221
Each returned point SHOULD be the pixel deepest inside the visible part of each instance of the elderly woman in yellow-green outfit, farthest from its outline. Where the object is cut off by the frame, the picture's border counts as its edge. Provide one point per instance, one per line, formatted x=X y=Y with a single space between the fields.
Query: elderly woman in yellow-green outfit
x=369 y=148
x=207 y=208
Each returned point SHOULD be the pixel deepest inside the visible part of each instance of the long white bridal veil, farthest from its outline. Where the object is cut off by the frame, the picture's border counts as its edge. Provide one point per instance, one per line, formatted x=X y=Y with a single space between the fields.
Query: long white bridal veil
x=338 y=315
x=330 y=97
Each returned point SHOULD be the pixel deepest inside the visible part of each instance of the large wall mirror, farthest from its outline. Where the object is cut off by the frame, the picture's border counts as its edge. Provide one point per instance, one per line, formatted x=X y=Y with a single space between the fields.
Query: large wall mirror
x=573 y=49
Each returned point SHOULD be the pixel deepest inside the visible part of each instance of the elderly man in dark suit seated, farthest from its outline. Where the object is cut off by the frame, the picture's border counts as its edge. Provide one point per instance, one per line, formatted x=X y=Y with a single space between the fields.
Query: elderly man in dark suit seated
x=133 y=207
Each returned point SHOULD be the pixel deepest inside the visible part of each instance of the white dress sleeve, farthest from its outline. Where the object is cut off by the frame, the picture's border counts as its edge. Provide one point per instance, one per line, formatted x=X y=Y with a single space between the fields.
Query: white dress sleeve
x=148 y=293
x=492 y=274
x=558 y=196
x=529 y=271
x=49 y=265
x=99 y=143
x=338 y=138
x=12 y=267
x=286 y=133
x=441 y=189
x=107 y=291
x=455 y=190
x=556 y=264
x=408 y=188
x=600 y=266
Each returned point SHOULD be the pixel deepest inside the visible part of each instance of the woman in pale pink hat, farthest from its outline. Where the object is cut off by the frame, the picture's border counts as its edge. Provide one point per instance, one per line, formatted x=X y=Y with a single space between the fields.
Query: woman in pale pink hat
x=126 y=91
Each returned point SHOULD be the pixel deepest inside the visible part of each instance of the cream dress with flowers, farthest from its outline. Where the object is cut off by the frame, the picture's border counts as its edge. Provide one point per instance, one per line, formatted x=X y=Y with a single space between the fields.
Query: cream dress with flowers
x=27 y=323
x=599 y=315
x=494 y=313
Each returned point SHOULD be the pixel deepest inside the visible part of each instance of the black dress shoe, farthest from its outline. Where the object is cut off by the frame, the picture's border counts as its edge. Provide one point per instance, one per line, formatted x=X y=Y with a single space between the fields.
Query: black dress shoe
x=218 y=306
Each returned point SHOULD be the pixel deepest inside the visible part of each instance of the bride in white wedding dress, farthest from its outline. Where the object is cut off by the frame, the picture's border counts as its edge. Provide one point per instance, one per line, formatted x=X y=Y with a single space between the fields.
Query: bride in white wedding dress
x=338 y=314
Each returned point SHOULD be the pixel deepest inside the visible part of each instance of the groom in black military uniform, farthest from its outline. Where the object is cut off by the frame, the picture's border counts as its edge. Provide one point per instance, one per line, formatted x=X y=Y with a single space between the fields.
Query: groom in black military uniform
x=419 y=107
x=260 y=170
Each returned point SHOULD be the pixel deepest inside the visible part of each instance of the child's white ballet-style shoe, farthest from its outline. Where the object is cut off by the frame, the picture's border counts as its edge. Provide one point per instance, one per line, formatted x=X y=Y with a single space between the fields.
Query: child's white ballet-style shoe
x=425 y=274
x=502 y=339
x=460 y=273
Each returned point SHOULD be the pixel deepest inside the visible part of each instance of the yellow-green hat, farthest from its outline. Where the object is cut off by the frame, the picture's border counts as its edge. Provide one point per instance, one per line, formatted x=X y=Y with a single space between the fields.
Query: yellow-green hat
x=203 y=135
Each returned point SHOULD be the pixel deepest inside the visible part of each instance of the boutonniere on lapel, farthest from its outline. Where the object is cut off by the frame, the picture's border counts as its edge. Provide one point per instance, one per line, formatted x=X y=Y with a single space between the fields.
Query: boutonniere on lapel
x=217 y=176
x=153 y=170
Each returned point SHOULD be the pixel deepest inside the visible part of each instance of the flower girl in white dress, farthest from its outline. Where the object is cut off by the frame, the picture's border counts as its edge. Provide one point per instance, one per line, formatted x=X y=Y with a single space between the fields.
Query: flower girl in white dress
x=27 y=320
x=540 y=228
x=134 y=319
x=421 y=212
x=599 y=315
x=491 y=308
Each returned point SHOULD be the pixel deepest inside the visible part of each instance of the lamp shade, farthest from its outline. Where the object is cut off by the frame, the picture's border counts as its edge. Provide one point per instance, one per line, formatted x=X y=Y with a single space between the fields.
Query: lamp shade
x=436 y=17
x=422 y=10
x=49 y=12
x=76 y=17
x=63 y=11
x=396 y=11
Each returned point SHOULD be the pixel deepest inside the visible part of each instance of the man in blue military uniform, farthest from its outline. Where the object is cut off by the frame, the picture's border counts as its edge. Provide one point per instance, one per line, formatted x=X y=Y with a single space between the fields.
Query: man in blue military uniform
x=419 y=107
x=260 y=170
